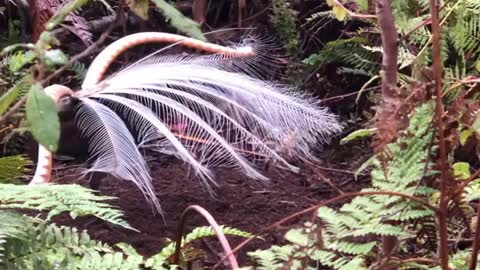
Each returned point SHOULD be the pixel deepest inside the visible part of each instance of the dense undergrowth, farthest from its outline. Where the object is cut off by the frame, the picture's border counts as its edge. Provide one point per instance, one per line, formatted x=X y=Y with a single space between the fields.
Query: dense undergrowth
x=424 y=173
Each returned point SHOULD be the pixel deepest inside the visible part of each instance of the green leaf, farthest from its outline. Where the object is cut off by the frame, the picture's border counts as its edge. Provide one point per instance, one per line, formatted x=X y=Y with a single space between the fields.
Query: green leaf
x=339 y=12
x=461 y=170
x=297 y=236
x=14 y=93
x=476 y=125
x=20 y=59
x=12 y=167
x=55 y=57
x=464 y=135
x=182 y=23
x=43 y=118
x=358 y=134
x=139 y=7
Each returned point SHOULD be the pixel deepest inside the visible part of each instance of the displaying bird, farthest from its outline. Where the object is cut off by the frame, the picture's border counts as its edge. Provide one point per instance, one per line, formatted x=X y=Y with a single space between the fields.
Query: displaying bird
x=207 y=110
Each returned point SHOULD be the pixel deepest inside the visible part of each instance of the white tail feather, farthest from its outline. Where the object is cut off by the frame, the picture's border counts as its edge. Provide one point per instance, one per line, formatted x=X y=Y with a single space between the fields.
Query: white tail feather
x=227 y=116
x=114 y=147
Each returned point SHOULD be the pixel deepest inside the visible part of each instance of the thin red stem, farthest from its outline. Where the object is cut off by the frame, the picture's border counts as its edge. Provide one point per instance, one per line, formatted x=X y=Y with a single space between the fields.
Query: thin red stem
x=218 y=230
x=476 y=242
x=444 y=198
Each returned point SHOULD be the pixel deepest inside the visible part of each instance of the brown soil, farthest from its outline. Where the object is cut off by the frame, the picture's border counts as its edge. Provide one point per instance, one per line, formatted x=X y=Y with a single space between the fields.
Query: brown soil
x=239 y=202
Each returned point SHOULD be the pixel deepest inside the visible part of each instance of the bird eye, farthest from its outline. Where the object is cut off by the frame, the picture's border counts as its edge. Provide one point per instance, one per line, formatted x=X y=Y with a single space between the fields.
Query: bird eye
x=66 y=103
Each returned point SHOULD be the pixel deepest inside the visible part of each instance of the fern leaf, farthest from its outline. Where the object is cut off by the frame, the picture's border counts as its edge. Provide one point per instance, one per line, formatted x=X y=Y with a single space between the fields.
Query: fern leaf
x=12 y=167
x=56 y=199
x=17 y=91
x=179 y=21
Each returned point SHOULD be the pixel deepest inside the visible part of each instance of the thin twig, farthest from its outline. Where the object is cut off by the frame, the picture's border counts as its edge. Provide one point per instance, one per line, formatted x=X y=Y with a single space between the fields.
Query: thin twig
x=476 y=242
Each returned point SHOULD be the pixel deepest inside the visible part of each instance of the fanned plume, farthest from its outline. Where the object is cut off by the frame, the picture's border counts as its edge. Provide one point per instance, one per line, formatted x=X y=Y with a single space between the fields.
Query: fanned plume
x=209 y=111
x=113 y=146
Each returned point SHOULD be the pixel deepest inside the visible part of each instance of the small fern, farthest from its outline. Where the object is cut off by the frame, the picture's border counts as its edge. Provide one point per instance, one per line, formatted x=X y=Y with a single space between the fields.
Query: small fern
x=16 y=92
x=347 y=53
x=56 y=199
x=12 y=167
x=195 y=234
x=18 y=60
x=284 y=22
x=80 y=71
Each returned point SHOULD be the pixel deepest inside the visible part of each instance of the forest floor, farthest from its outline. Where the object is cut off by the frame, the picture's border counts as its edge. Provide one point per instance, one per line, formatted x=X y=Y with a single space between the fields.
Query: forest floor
x=239 y=202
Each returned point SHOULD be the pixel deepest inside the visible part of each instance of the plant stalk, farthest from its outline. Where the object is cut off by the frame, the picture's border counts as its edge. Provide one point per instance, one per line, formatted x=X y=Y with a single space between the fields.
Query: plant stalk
x=390 y=39
x=218 y=230
x=438 y=71
x=476 y=242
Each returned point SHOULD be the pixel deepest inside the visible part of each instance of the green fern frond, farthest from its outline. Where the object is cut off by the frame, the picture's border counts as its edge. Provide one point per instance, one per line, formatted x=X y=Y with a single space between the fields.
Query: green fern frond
x=56 y=199
x=17 y=91
x=80 y=70
x=349 y=53
x=284 y=21
x=12 y=225
x=195 y=234
x=335 y=242
x=18 y=60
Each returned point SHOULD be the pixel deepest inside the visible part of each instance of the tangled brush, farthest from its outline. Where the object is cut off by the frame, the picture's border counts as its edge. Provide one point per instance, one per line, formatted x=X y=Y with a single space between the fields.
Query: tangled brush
x=207 y=110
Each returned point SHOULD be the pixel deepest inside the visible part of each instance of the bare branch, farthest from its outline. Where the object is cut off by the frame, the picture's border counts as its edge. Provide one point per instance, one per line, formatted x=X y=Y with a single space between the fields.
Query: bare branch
x=218 y=230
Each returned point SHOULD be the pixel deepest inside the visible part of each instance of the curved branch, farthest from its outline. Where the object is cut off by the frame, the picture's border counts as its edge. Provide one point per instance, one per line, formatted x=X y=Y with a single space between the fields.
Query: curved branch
x=218 y=230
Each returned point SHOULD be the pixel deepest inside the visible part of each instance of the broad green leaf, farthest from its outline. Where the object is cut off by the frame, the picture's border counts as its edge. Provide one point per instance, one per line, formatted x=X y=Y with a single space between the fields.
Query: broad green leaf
x=14 y=93
x=55 y=57
x=43 y=118
x=177 y=20
x=461 y=170
x=477 y=66
x=358 y=134
x=139 y=7
x=464 y=135
x=339 y=12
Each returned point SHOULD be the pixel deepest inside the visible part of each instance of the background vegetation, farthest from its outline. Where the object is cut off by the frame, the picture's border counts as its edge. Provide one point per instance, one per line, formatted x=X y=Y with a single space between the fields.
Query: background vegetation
x=409 y=70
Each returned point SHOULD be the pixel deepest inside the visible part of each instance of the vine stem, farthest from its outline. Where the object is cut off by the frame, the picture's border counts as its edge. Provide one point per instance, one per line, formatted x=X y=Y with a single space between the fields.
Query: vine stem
x=324 y=203
x=444 y=198
x=218 y=230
